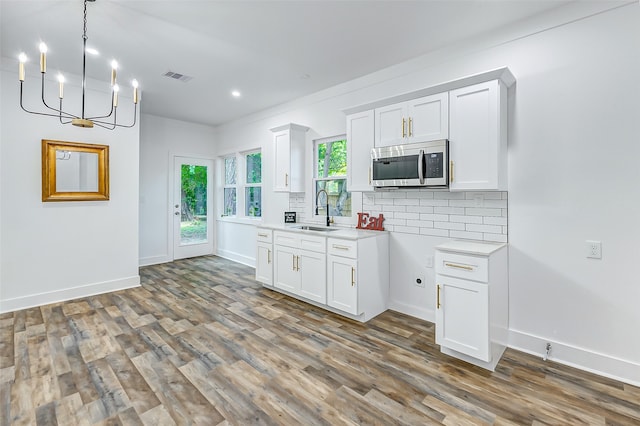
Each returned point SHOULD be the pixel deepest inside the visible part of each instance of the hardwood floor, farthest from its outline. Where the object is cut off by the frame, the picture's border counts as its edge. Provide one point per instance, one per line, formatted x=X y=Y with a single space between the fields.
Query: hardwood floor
x=202 y=343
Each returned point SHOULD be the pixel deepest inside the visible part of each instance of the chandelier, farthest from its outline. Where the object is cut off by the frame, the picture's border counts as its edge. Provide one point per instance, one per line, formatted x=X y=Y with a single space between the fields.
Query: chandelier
x=108 y=120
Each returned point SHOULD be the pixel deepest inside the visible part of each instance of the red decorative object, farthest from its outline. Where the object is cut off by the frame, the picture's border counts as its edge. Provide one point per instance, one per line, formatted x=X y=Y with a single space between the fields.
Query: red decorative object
x=367 y=222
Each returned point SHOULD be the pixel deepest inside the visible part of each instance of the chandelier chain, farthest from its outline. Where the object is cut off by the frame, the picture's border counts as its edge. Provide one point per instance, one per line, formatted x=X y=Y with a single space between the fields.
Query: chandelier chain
x=84 y=33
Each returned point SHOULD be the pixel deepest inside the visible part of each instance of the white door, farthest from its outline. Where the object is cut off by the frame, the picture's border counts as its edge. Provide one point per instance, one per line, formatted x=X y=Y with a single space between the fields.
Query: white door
x=390 y=125
x=360 y=134
x=428 y=118
x=462 y=316
x=313 y=276
x=342 y=291
x=192 y=209
x=286 y=275
x=264 y=263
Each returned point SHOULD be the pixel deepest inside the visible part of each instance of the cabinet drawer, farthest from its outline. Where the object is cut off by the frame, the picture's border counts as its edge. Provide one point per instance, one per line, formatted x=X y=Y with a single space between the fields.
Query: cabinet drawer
x=287 y=239
x=462 y=266
x=265 y=235
x=312 y=243
x=344 y=248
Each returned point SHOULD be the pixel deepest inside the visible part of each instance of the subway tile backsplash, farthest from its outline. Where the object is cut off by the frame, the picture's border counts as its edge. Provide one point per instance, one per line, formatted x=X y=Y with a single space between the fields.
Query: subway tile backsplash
x=462 y=215
x=466 y=215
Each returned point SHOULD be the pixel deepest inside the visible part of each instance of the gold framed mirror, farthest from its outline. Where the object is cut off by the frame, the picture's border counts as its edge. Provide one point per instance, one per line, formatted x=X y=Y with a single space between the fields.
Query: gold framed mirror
x=73 y=171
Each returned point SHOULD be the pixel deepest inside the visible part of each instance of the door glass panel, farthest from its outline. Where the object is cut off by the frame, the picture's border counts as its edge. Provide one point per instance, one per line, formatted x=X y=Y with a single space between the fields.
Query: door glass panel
x=193 y=215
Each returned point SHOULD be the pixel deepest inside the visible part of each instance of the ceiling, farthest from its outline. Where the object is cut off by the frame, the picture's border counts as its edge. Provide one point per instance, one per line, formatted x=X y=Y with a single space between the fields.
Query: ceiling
x=270 y=51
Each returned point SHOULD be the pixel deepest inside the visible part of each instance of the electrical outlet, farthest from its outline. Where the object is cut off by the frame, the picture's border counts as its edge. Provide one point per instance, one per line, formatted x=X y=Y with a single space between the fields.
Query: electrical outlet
x=429 y=263
x=594 y=249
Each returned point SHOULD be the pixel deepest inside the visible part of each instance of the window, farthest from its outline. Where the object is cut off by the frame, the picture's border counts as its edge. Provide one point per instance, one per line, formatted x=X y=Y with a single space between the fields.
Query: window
x=330 y=158
x=230 y=174
x=253 y=188
x=242 y=185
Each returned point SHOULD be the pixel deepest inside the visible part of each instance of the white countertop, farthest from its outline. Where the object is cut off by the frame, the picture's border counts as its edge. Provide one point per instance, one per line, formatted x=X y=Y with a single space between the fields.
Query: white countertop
x=340 y=232
x=471 y=247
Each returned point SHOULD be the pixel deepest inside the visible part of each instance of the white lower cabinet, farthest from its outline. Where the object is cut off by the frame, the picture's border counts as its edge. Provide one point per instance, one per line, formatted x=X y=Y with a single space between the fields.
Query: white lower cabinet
x=472 y=301
x=264 y=256
x=298 y=270
x=342 y=279
x=349 y=276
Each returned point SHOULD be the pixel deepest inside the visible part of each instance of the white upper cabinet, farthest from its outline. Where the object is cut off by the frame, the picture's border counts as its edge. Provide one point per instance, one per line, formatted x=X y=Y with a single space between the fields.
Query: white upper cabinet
x=359 y=144
x=417 y=120
x=289 y=145
x=478 y=137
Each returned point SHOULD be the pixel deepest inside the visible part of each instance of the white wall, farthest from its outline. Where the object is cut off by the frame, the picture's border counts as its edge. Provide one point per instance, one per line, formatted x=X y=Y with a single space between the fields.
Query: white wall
x=573 y=149
x=62 y=250
x=161 y=139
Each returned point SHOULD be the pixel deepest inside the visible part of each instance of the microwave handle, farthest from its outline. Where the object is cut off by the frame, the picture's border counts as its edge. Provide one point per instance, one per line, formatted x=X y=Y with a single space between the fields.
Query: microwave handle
x=421 y=167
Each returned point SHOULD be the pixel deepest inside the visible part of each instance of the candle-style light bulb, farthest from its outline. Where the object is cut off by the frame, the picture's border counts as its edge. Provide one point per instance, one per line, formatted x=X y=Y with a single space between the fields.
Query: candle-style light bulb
x=61 y=81
x=114 y=67
x=43 y=58
x=116 y=89
x=22 y=58
x=134 y=83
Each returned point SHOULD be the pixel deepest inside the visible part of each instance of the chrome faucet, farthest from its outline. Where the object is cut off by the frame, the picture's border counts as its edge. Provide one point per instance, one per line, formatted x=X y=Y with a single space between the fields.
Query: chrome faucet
x=317 y=197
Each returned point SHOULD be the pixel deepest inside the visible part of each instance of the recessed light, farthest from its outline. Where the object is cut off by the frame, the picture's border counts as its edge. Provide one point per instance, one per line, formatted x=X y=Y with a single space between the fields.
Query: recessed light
x=92 y=51
x=235 y=94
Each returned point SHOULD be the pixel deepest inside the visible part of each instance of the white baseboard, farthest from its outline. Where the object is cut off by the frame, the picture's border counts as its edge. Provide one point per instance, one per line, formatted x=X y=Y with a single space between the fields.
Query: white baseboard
x=412 y=310
x=573 y=356
x=154 y=260
x=237 y=257
x=18 y=303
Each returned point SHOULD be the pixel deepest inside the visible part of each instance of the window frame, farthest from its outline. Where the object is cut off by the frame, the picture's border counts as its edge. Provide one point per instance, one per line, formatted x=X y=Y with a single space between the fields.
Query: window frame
x=246 y=184
x=226 y=186
x=240 y=186
x=314 y=158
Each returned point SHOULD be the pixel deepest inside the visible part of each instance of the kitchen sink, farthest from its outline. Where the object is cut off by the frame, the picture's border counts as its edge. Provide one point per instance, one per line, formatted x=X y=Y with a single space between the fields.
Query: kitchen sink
x=315 y=228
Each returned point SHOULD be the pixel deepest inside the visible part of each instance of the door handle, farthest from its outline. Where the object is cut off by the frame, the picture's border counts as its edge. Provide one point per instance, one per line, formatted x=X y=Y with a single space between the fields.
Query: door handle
x=451 y=174
x=286 y=179
x=410 y=130
x=268 y=256
x=438 y=298
x=353 y=276
x=297 y=263
x=455 y=265
x=420 y=164
x=369 y=175
x=404 y=134
x=293 y=262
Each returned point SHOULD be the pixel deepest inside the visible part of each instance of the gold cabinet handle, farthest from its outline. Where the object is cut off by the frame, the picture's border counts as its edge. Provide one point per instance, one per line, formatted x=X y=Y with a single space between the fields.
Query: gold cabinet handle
x=438 y=298
x=262 y=235
x=353 y=276
x=450 y=171
x=410 y=130
x=268 y=256
x=293 y=262
x=297 y=263
x=369 y=175
x=339 y=247
x=404 y=134
x=286 y=179
x=455 y=265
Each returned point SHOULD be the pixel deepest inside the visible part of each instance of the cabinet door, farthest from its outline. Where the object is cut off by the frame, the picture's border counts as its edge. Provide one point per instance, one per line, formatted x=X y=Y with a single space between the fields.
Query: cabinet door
x=360 y=129
x=313 y=276
x=286 y=272
x=428 y=118
x=264 y=264
x=475 y=148
x=342 y=284
x=282 y=146
x=390 y=125
x=462 y=316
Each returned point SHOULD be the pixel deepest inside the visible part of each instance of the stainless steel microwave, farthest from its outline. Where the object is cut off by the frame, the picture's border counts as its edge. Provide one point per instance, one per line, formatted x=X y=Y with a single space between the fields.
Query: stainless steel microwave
x=417 y=164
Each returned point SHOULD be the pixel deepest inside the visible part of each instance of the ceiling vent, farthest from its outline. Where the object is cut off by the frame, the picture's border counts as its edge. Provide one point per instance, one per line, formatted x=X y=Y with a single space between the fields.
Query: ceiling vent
x=177 y=76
